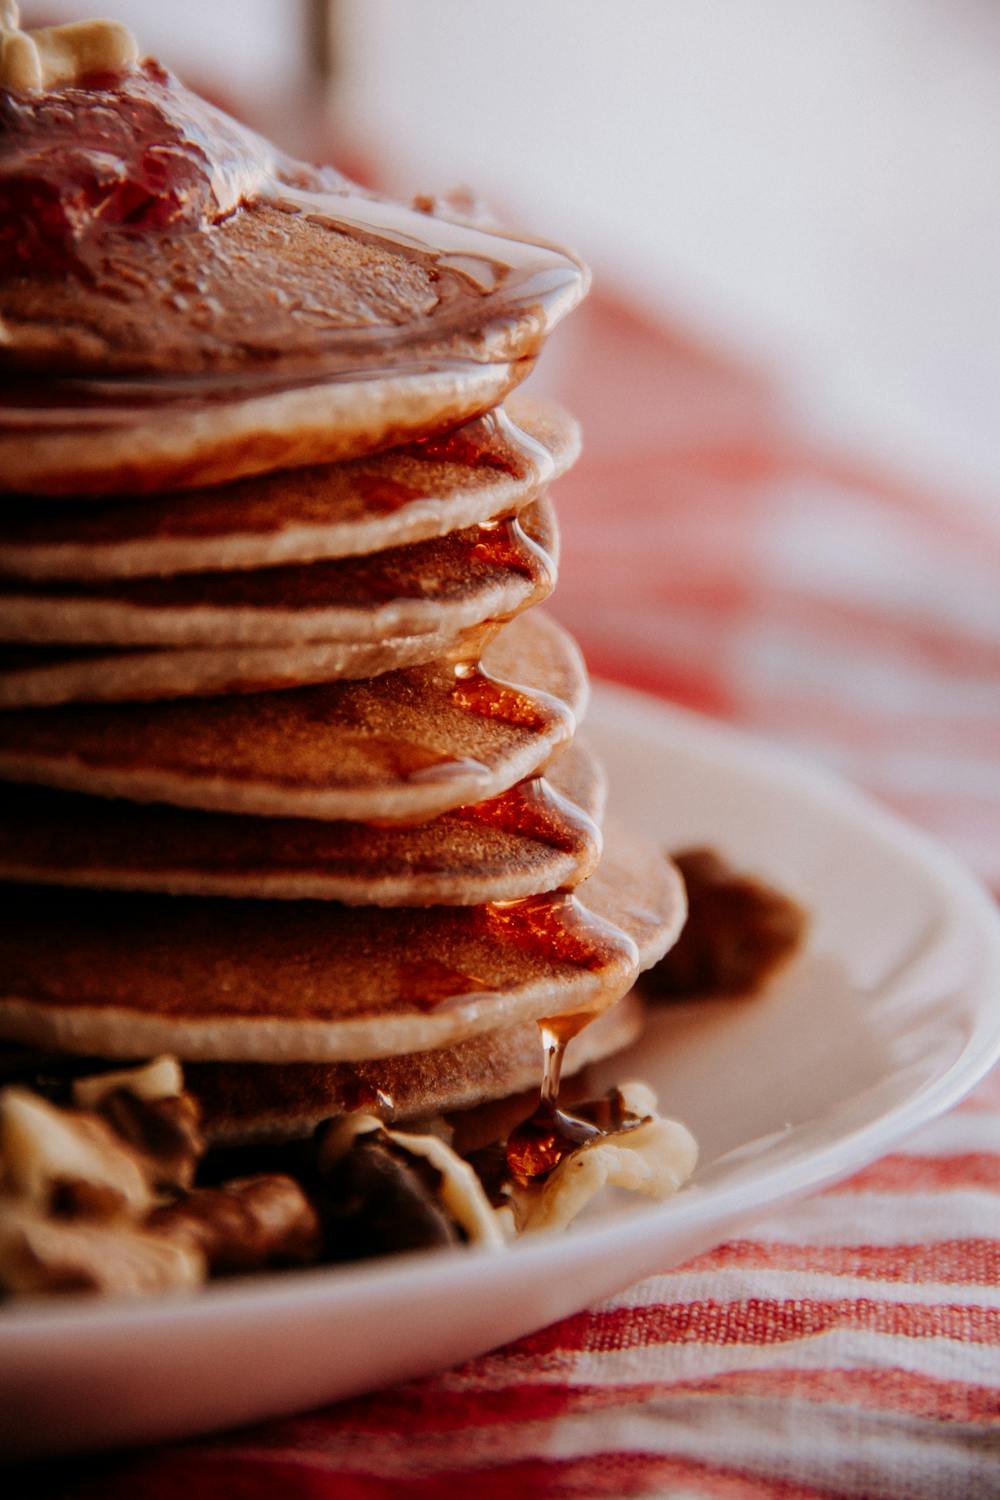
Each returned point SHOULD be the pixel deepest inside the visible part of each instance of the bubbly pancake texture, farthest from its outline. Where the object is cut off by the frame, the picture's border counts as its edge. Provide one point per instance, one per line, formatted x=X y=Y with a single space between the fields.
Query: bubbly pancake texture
x=441 y=585
x=400 y=747
x=489 y=467
x=540 y=835
x=132 y=976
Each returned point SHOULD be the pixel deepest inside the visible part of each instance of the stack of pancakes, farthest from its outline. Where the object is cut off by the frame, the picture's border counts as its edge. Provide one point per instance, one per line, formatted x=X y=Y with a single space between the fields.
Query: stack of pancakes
x=291 y=784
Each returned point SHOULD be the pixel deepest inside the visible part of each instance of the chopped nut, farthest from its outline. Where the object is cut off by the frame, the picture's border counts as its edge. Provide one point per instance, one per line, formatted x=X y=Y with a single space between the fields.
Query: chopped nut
x=66 y=1160
x=453 y=1185
x=653 y=1157
x=39 y=1254
x=246 y=1225
x=55 y=55
x=461 y=1193
x=164 y=1131
x=378 y=1202
x=160 y=1079
x=147 y=1107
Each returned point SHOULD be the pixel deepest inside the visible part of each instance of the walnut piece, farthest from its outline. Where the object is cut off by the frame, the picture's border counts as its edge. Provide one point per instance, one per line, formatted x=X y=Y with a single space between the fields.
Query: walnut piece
x=42 y=1254
x=67 y=1161
x=54 y=55
x=654 y=1157
x=148 y=1109
x=160 y=1079
x=457 y=1191
x=247 y=1224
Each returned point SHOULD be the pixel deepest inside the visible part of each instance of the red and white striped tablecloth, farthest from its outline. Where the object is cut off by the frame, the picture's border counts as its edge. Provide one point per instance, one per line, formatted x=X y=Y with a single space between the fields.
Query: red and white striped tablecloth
x=849 y=1345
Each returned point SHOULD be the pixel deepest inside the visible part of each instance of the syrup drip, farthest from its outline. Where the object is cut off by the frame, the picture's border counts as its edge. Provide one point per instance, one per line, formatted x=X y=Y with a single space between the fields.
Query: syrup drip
x=555 y=928
x=491 y=554
x=479 y=692
x=533 y=809
x=556 y=1032
x=541 y=1141
x=493 y=441
x=505 y=543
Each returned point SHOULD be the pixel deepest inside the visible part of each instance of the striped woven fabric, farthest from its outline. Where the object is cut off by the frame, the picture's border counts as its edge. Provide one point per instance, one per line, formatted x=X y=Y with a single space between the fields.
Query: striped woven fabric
x=850 y=1345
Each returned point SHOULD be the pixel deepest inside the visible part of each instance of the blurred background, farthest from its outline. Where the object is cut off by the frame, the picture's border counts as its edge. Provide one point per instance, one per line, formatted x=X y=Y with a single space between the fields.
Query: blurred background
x=788 y=374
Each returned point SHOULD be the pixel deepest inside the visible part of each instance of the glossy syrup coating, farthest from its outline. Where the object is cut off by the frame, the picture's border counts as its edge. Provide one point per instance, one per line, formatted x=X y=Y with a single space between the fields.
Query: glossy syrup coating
x=142 y=231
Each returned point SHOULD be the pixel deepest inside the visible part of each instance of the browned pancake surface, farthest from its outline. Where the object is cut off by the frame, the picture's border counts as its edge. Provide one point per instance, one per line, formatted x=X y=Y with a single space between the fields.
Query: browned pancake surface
x=262 y=1101
x=40 y=676
x=537 y=836
x=131 y=975
x=264 y=289
x=479 y=573
x=424 y=489
x=402 y=746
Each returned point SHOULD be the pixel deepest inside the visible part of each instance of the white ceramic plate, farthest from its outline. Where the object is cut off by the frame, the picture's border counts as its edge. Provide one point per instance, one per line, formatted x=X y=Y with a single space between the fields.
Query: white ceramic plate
x=891 y=1013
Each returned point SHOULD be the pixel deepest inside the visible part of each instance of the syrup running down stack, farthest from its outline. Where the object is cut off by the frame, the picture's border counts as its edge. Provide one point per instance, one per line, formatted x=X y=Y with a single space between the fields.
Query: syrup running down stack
x=291 y=786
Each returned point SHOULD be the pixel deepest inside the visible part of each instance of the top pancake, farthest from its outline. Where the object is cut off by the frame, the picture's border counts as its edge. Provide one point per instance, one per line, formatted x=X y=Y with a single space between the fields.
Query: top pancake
x=233 y=312
x=491 y=466
x=401 y=747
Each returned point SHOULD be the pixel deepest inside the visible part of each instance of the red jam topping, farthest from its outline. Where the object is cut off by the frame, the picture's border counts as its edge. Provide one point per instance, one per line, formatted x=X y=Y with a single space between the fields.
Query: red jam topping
x=136 y=153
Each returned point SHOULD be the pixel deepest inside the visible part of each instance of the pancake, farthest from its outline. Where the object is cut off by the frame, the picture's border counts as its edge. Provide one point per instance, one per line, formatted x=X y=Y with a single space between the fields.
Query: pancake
x=401 y=747
x=245 y=1102
x=134 y=975
x=491 y=466
x=442 y=585
x=233 y=312
x=538 y=836
x=42 y=676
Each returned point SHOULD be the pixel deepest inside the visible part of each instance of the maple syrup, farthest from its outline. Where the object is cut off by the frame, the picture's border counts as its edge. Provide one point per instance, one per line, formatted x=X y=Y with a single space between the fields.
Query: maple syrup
x=533 y=809
x=506 y=543
x=478 y=691
x=561 y=929
x=558 y=928
x=505 y=550
x=493 y=441
x=384 y=494
x=539 y=1143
